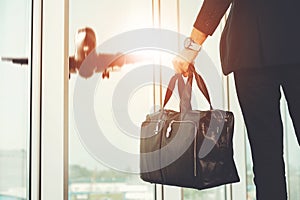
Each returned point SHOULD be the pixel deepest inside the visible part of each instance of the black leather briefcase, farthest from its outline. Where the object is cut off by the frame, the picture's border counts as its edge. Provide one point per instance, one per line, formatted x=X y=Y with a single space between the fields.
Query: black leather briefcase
x=190 y=148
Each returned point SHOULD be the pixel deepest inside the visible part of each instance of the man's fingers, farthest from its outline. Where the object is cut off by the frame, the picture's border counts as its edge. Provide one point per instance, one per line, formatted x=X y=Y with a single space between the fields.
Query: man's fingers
x=180 y=66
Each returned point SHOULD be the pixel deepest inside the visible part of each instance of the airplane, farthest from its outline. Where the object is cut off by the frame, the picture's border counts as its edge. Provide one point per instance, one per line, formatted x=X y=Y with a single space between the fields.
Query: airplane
x=94 y=63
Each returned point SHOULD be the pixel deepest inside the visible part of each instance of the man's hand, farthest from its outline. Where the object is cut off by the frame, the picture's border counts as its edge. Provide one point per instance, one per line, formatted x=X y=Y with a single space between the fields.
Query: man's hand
x=180 y=66
x=186 y=56
x=181 y=62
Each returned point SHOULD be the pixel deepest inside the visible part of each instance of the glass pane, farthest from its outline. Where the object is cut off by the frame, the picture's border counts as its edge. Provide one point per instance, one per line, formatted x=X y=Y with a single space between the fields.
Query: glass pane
x=292 y=155
x=251 y=191
x=89 y=177
x=14 y=97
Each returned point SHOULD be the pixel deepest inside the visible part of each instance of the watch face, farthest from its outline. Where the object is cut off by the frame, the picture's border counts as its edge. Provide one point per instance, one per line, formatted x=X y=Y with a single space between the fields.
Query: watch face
x=187 y=42
x=190 y=44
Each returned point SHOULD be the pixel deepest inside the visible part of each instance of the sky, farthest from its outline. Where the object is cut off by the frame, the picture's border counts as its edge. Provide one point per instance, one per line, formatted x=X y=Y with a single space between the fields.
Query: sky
x=14 y=87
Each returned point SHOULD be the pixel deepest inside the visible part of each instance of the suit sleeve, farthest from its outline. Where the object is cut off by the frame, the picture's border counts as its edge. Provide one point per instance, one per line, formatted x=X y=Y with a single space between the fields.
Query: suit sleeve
x=210 y=15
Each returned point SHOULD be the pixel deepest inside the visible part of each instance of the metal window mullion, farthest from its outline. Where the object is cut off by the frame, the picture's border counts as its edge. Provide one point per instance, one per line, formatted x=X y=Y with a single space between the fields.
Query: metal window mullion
x=35 y=60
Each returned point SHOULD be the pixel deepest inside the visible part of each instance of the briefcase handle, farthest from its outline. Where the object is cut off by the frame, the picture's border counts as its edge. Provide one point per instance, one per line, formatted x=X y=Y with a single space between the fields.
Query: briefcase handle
x=185 y=89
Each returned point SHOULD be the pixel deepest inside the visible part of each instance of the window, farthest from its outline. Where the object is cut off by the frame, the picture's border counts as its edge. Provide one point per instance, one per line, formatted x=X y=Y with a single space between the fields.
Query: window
x=15 y=98
x=89 y=177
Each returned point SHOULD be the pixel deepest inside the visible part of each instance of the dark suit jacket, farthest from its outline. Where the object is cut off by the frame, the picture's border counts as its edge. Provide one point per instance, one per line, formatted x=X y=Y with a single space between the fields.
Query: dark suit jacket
x=258 y=33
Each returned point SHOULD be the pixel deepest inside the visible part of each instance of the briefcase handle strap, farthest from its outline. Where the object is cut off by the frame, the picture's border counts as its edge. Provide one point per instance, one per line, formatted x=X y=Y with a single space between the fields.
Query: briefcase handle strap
x=185 y=89
x=201 y=84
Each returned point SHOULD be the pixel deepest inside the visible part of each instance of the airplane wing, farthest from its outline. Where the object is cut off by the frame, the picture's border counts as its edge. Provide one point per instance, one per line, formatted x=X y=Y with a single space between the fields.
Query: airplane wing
x=105 y=63
x=21 y=61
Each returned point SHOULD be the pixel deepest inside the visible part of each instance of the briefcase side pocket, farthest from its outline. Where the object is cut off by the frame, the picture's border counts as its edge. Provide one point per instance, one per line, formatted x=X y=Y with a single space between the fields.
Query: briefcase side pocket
x=150 y=147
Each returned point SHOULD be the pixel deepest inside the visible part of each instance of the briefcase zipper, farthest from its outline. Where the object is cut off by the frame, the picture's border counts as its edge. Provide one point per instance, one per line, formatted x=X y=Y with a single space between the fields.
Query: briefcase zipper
x=158 y=127
x=168 y=134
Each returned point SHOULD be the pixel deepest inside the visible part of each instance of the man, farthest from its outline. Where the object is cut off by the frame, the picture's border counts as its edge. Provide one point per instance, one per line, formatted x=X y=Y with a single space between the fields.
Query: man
x=260 y=45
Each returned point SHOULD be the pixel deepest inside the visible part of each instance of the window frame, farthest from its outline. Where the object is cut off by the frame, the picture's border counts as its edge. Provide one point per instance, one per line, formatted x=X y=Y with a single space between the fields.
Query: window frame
x=49 y=100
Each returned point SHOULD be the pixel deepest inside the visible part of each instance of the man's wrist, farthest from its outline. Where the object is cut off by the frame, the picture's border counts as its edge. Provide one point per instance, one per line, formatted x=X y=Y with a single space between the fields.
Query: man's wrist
x=198 y=36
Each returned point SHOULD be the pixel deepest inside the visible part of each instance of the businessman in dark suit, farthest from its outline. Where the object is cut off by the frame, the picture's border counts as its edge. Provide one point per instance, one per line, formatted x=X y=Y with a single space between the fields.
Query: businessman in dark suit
x=260 y=45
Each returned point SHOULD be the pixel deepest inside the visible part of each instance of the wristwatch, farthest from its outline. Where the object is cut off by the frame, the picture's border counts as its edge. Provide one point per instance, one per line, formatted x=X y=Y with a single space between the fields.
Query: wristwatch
x=190 y=44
